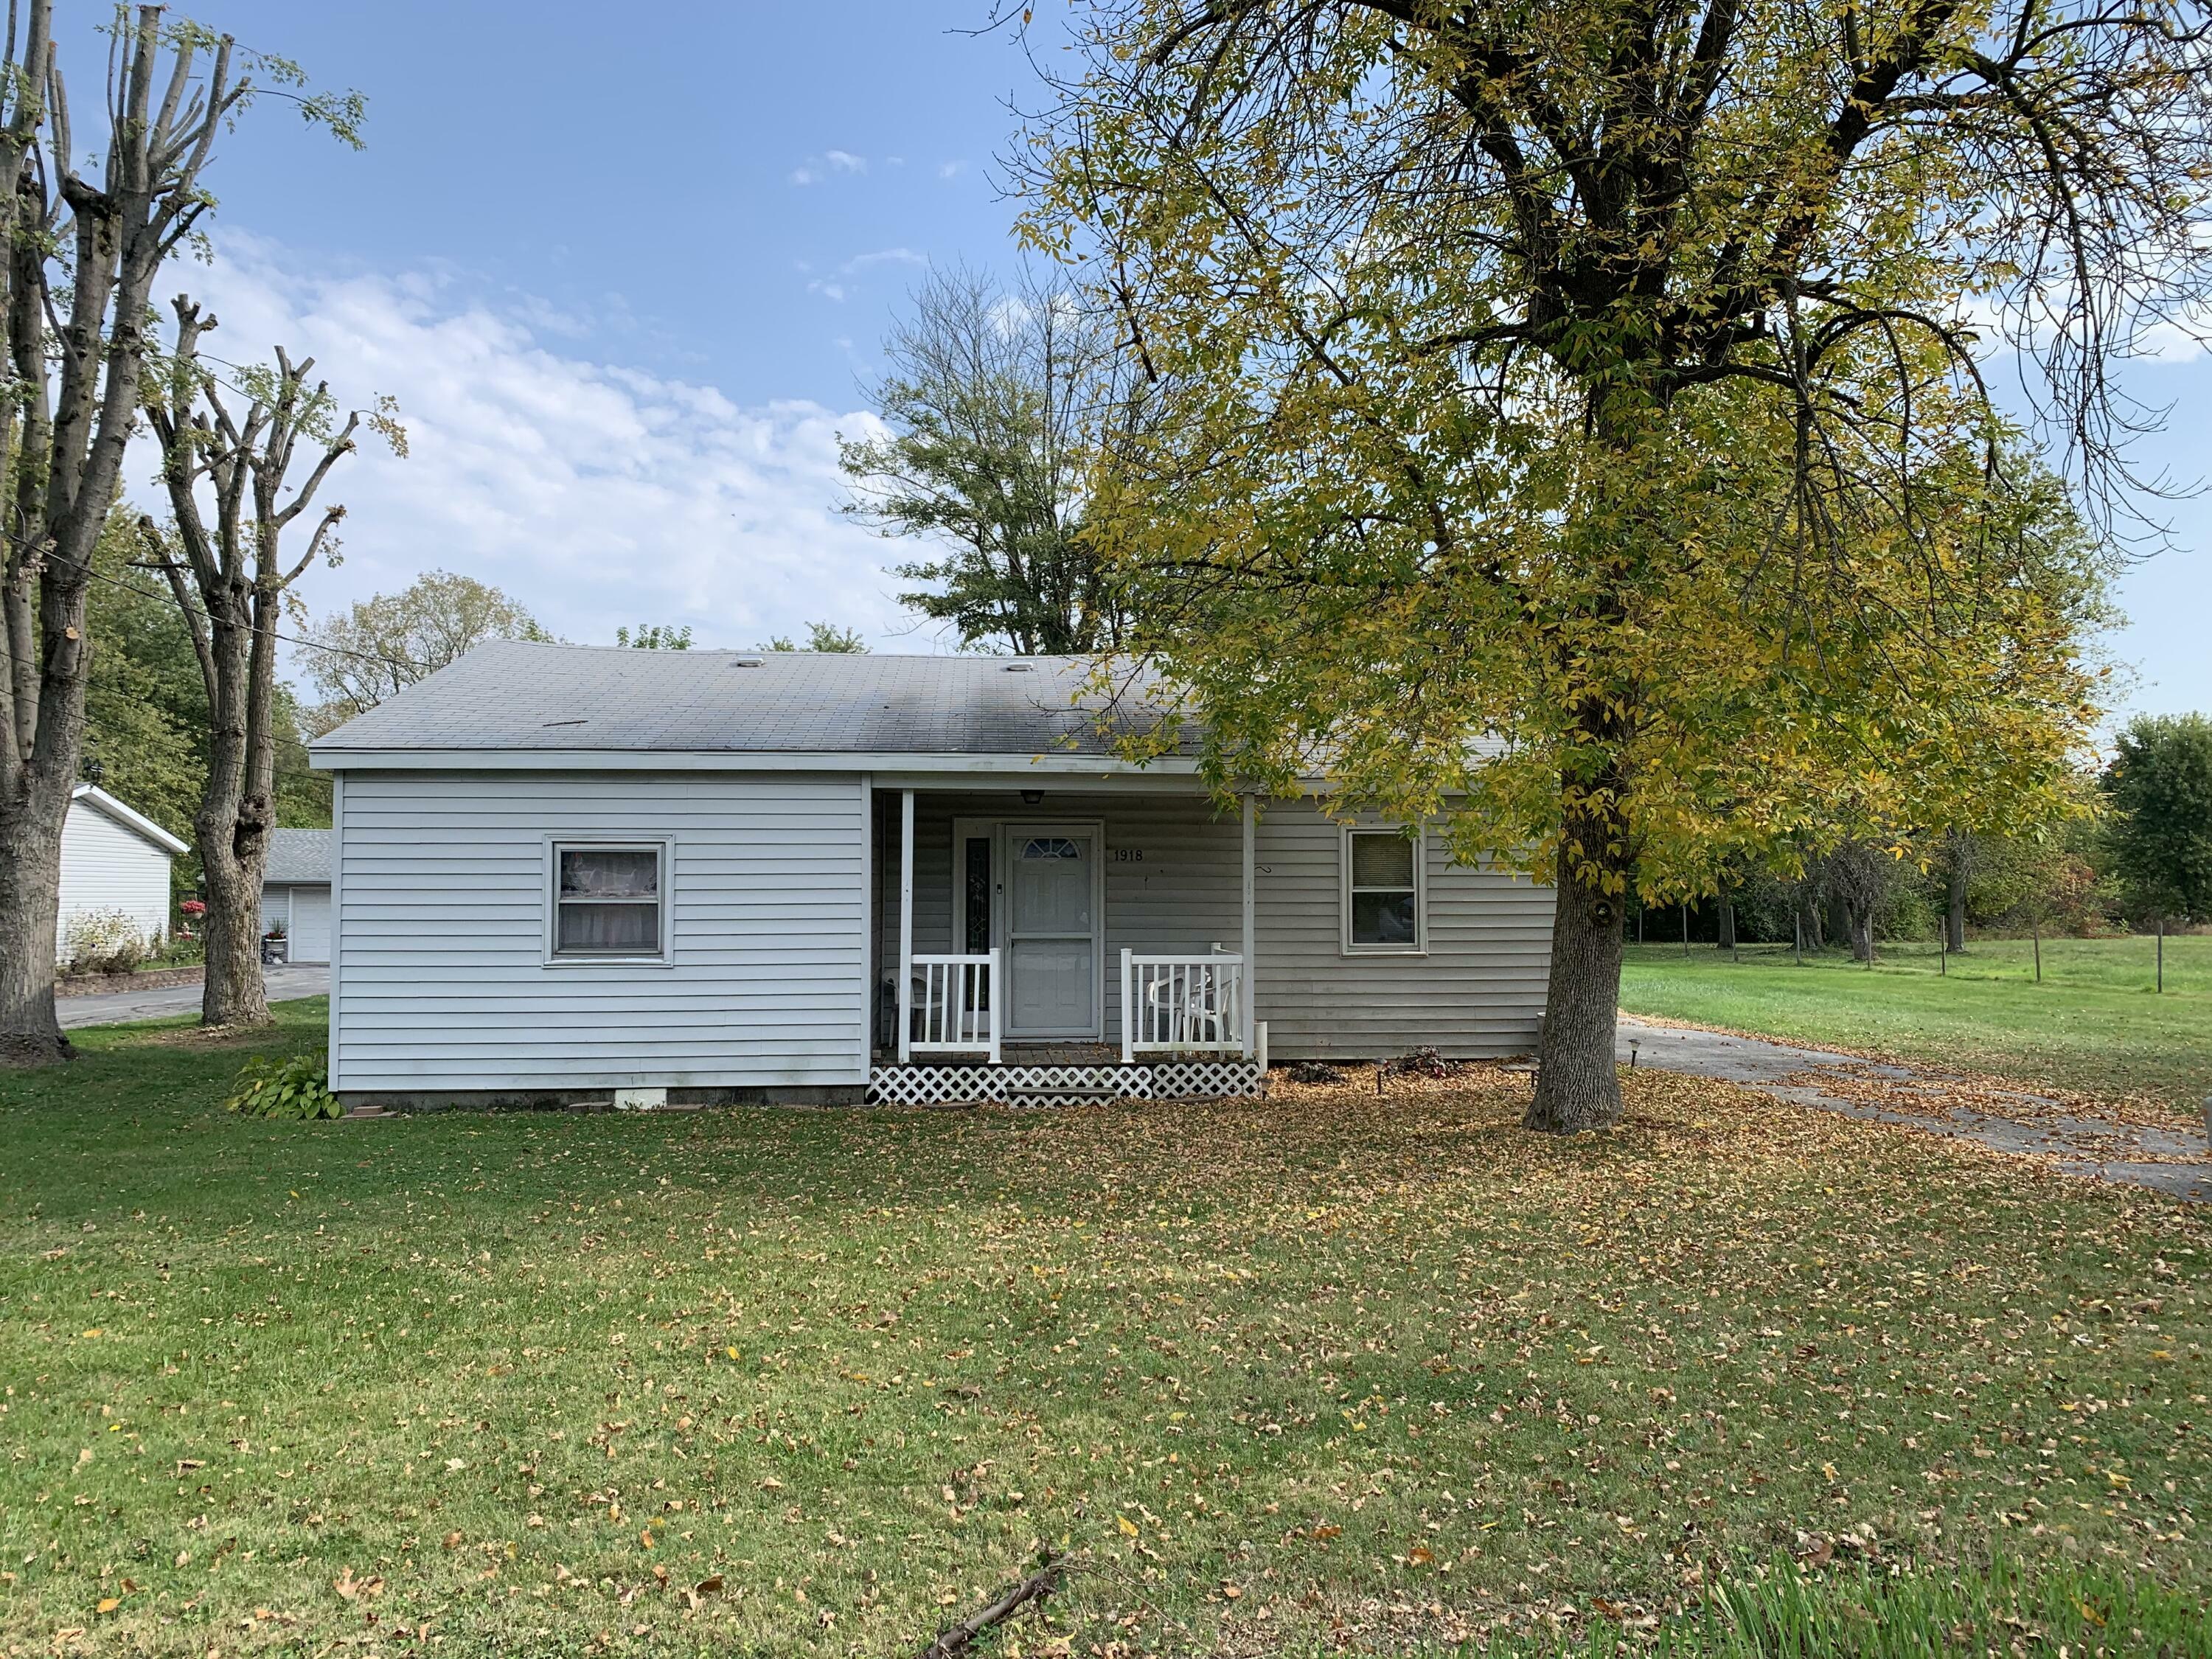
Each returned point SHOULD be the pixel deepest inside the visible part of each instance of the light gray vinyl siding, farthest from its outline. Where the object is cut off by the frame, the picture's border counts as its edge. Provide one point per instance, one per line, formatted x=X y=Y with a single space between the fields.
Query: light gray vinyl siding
x=442 y=980
x=1479 y=989
x=108 y=866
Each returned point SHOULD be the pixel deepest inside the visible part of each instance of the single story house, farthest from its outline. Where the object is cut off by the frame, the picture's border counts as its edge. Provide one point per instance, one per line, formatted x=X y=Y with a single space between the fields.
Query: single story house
x=114 y=858
x=561 y=872
x=295 y=892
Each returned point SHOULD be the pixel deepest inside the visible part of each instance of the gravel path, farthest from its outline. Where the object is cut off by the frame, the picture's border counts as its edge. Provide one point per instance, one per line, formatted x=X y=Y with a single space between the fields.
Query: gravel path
x=2090 y=1146
x=117 y=1007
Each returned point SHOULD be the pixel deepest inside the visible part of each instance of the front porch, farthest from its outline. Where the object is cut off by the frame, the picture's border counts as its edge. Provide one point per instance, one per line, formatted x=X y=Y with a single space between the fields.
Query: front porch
x=1013 y=971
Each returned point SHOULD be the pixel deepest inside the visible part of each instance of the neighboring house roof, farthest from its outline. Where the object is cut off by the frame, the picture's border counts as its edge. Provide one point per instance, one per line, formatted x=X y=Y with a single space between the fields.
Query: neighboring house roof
x=297 y=857
x=92 y=795
x=509 y=695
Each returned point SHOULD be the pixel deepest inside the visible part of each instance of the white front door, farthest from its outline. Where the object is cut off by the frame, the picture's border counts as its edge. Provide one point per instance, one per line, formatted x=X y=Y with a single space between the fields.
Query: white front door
x=1052 y=930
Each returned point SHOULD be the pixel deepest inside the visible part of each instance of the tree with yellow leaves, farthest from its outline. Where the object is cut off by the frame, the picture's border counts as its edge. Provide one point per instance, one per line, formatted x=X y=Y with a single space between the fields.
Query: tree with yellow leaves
x=1569 y=421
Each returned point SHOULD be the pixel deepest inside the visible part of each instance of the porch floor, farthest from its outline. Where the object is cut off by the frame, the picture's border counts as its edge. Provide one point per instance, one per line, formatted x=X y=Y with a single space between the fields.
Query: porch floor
x=1025 y=1053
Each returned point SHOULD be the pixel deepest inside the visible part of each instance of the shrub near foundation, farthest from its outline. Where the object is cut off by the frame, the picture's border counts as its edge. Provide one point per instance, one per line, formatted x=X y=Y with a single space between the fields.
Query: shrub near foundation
x=296 y=1088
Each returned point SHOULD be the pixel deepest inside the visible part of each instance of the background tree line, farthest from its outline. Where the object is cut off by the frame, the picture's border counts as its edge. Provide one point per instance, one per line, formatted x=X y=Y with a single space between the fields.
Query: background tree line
x=2133 y=853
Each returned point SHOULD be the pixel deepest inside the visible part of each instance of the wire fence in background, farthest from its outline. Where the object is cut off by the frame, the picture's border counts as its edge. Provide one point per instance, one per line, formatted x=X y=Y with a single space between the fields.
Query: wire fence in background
x=2128 y=962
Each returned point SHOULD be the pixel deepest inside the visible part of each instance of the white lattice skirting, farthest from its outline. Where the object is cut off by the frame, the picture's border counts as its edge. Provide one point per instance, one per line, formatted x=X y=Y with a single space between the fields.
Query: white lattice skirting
x=938 y=1085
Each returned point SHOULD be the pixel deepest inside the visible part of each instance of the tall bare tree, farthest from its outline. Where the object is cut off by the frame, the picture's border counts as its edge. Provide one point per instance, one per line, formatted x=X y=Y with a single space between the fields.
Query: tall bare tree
x=226 y=473
x=997 y=398
x=80 y=257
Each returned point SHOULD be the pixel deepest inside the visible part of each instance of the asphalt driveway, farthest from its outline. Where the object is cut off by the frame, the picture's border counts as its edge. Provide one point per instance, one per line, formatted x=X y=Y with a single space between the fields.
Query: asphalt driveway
x=119 y=1007
x=2167 y=1160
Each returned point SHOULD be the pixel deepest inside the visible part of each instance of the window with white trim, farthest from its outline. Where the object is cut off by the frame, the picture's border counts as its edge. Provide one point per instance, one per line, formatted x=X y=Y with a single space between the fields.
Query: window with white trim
x=1383 y=891
x=608 y=899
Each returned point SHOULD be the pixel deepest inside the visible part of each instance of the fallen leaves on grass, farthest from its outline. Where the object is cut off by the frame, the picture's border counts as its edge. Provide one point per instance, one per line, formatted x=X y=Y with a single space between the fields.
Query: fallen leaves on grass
x=1393 y=1368
x=2042 y=1101
x=2070 y=1125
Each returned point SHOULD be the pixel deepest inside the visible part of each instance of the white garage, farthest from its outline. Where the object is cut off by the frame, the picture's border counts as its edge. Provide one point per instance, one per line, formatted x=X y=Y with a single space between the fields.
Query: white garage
x=295 y=892
x=114 y=859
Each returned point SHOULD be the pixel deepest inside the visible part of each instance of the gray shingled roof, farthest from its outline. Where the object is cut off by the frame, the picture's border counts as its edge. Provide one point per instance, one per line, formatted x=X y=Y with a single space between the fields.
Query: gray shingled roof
x=508 y=694
x=298 y=855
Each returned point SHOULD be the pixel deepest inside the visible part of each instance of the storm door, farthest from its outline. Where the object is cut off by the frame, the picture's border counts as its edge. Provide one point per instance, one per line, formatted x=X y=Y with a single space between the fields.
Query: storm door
x=1052 y=889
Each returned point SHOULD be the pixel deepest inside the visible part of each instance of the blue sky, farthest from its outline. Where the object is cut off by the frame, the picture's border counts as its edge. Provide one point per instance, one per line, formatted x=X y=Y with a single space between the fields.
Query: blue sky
x=732 y=191
x=624 y=269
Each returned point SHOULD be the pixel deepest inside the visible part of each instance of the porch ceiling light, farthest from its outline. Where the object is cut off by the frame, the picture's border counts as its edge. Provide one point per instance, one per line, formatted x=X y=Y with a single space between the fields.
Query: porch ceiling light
x=1032 y=797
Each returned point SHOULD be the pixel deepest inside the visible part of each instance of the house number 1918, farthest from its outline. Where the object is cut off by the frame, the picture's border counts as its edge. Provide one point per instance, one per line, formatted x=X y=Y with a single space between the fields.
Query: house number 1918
x=1128 y=855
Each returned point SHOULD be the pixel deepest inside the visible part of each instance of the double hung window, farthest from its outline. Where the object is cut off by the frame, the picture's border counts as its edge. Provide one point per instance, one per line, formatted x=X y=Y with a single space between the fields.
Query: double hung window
x=609 y=900
x=1383 y=891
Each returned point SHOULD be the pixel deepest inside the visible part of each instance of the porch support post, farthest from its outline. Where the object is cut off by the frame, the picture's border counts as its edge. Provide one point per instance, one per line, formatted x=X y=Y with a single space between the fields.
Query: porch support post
x=871 y=939
x=1245 y=1006
x=906 y=928
x=1129 y=1008
x=997 y=992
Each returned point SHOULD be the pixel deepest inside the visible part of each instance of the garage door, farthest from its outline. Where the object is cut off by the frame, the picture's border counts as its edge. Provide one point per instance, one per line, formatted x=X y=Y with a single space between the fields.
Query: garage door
x=310 y=924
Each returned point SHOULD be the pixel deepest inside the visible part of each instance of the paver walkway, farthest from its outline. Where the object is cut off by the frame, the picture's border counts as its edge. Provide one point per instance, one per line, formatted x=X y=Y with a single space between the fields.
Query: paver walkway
x=116 y=1007
x=2094 y=1147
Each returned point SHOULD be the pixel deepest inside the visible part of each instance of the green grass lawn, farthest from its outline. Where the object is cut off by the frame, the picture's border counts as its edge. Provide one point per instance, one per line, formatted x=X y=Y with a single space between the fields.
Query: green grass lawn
x=1322 y=1373
x=2094 y=1026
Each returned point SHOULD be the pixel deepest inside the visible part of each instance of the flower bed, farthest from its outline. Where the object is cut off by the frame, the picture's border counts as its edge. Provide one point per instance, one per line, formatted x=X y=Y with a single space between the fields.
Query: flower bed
x=148 y=979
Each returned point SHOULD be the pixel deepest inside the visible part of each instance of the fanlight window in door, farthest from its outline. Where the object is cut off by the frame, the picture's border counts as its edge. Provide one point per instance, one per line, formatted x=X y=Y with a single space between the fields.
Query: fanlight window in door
x=1050 y=847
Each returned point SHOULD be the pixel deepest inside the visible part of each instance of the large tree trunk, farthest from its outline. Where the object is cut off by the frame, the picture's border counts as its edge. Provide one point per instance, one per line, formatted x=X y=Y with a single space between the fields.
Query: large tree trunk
x=234 y=992
x=1577 y=1084
x=1861 y=920
x=30 y=900
x=1811 y=933
x=48 y=705
x=1728 y=924
x=1954 y=918
x=236 y=812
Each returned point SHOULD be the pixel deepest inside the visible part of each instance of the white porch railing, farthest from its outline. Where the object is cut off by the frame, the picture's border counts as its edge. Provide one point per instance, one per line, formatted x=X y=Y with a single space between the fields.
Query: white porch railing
x=953 y=1006
x=1182 y=1003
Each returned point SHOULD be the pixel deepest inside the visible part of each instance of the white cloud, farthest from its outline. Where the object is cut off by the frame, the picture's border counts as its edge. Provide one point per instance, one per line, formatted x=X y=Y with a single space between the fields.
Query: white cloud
x=884 y=256
x=836 y=288
x=593 y=493
x=815 y=169
x=2181 y=339
x=950 y=169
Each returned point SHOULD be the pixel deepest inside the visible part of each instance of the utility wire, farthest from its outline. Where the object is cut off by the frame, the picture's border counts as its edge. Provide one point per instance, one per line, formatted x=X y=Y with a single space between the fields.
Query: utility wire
x=311 y=645
x=288 y=638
